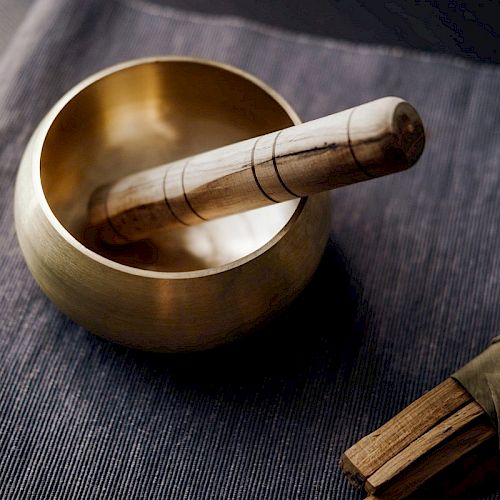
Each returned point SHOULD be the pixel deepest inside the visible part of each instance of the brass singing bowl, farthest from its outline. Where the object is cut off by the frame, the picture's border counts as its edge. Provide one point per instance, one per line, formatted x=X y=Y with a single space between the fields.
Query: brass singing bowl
x=184 y=290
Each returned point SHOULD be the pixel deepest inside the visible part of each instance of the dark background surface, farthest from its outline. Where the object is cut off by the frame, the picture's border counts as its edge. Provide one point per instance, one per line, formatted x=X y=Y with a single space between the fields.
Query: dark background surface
x=465 y=29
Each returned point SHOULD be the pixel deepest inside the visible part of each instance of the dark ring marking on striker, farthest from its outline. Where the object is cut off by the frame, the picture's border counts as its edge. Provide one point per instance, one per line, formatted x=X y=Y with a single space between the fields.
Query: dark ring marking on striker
x=111 y=225
x=259 y=185
x=276 y=167
x=185 y=195
x=356 y=161
x=170 y=209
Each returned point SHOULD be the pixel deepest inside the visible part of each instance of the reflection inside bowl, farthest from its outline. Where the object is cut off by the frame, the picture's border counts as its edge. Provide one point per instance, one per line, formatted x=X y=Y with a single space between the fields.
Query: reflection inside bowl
x=203 y=246
x=146 y=116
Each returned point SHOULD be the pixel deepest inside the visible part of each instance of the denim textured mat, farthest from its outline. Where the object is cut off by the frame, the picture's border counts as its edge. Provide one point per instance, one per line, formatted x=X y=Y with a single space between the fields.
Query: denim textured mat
x=408 y=289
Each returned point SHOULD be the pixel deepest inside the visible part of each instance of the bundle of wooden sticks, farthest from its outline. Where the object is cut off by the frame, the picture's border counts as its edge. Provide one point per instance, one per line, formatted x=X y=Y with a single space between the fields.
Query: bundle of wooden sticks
x=441 y=446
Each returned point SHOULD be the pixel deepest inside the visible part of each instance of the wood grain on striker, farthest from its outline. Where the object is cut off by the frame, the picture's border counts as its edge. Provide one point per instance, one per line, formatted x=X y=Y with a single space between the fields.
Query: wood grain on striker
x=371 y=140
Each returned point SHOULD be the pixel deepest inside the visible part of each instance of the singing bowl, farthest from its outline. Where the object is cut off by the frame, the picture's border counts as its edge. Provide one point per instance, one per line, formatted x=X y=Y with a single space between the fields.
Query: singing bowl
x=182 y=290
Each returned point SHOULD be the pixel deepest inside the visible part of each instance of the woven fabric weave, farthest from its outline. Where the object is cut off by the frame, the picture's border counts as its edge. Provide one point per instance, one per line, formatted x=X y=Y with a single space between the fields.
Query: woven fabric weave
x=408 y=290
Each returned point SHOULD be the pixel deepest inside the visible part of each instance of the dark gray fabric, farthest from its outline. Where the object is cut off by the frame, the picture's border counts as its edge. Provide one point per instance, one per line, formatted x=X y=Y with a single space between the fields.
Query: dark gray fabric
x=407 y=292
x=12 y=13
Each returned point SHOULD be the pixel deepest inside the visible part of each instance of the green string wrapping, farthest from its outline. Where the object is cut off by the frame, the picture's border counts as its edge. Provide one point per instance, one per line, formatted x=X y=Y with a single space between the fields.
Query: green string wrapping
x=481 y=377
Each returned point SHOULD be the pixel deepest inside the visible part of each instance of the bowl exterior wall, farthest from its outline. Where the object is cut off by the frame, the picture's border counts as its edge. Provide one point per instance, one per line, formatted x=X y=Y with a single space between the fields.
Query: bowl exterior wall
x=163 y=312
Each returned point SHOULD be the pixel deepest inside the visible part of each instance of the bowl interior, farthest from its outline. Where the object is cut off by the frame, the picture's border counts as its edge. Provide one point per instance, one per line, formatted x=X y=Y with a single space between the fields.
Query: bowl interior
x=146 y=115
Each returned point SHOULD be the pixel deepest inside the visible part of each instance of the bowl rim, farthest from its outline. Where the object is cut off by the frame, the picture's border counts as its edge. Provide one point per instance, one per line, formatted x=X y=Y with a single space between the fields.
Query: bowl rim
x=47 y=122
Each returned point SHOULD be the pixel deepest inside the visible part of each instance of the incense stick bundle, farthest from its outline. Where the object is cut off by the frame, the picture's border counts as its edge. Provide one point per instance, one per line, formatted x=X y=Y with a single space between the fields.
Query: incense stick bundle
x=445 y=437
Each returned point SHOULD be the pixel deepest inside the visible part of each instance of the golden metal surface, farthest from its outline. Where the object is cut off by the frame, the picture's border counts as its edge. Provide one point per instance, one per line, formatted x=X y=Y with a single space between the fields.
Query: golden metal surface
x=189 y=289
